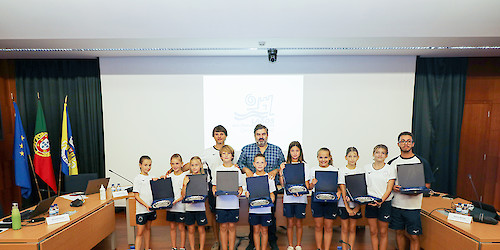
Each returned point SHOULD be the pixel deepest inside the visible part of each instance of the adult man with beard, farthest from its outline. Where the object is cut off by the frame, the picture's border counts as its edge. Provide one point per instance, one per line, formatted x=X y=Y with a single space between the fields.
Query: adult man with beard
x=405 y=211
x=274 y=157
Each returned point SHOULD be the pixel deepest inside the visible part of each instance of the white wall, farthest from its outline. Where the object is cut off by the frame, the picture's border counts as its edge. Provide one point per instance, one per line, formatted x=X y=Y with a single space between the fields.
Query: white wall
x=154 y=105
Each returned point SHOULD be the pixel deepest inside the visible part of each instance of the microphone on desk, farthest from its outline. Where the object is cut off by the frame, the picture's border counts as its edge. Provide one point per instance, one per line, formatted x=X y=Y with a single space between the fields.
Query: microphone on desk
x=481 y=216
x=128 y=189
x=343 y=242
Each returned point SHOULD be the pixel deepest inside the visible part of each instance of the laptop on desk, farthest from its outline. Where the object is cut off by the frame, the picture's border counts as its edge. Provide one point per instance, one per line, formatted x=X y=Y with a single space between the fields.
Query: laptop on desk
x=41 y=208
x=411 y=178
x=93 y=186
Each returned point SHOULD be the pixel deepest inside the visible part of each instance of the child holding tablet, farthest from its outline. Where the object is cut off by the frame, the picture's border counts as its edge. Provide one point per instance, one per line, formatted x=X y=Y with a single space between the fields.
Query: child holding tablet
x=349 y=210
x=380 y=178
x=195 y=212
x=260 y=218
x=323 y=212
x=227 y=206
x=143 y=200
x=177 y=214
x=294 y=206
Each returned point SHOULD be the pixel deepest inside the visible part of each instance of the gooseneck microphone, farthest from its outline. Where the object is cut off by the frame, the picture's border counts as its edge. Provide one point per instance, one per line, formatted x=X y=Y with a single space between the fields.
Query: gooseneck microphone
x=481 y=217
x=343 y=242
x=121 y=176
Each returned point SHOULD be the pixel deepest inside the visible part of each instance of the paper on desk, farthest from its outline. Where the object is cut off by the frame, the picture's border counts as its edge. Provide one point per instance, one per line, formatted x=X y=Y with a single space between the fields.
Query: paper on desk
x=3 y=230
x=74 y=197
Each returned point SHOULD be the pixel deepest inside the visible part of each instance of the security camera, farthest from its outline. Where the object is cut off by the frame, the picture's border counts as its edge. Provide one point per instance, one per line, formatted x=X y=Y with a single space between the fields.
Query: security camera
x=272 y=55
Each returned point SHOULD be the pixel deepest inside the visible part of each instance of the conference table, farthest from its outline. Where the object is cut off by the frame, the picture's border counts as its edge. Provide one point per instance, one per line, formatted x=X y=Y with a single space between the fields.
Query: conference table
x=89 y=226
x=441 y=233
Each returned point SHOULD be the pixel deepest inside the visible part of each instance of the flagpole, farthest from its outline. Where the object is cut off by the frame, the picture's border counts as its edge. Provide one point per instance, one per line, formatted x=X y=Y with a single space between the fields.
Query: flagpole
x=60 y=164
x=31 y=165
x=34 y=175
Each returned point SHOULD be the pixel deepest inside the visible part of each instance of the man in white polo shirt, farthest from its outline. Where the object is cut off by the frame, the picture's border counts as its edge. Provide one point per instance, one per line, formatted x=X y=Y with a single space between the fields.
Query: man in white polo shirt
x=406 y=207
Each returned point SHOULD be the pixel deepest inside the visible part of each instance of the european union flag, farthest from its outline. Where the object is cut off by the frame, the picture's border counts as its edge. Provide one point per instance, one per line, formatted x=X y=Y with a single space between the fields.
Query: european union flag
x=20 y=156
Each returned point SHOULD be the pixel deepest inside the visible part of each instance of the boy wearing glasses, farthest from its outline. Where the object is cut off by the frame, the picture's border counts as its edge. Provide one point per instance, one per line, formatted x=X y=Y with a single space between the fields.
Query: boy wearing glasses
x=406 y=207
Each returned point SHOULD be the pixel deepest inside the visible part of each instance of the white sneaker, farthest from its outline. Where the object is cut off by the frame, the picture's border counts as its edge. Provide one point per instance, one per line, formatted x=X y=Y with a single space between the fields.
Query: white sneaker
x=298 y=248
x=289 y=248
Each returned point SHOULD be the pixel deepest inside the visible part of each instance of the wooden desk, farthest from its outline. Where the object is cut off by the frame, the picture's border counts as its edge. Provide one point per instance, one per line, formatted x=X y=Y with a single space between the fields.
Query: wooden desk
x=91 y=224
x=440 y=233
x=280 y=219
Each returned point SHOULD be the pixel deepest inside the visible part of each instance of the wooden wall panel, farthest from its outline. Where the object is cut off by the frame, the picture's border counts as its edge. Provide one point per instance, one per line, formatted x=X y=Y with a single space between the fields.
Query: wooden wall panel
x=482 y=88
x=8 y=191
x=473 y=147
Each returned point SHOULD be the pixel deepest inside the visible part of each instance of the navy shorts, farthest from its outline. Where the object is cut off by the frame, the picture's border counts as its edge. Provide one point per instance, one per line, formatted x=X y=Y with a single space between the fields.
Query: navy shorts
x=198 y=217
x=227 y=215
x=344 y=215
x=176 y=217
x=408 y=219
x=297 y=210
x=141 y=219
x=382 y=213
x=260 y=219
x=328 y=210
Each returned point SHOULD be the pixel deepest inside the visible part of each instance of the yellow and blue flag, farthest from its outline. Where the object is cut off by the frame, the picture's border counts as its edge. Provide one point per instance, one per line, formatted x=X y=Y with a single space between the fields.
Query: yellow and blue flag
x=20 y=155
x=68 y=156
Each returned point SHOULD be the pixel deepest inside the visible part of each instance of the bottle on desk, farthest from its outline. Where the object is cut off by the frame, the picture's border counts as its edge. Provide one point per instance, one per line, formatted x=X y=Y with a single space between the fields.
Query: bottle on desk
x=113 y=189
x=52 y=210
x=16 y=217
x=118 y=187
x=56 y=209
x=102 y=193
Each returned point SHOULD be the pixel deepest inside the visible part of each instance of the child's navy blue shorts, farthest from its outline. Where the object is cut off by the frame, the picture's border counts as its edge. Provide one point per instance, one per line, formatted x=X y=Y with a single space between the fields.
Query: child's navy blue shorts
x=227 y=215
x=408 y=219
x=176 y=217
x=142 y=219
x=344 y=215
x=382 y=213
x=327 y=210
x=297 y=210
x=260 y=219
x=198 y=217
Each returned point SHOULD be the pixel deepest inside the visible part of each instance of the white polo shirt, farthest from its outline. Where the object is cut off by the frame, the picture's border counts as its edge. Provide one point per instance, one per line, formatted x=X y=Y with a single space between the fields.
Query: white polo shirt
x=299 y=199
x=264 y=210
x=142 y=186
x=377 y=179
x=343 y=172
x=177 y=183
x=227 y=201
x=405 y=201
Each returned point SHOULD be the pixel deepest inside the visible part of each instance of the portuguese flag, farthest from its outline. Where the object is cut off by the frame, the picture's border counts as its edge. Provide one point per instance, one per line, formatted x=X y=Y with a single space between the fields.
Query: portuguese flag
x=41 y=147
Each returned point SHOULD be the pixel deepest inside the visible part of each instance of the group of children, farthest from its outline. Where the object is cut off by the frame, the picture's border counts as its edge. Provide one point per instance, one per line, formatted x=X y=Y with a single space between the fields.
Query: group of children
x=380 y=179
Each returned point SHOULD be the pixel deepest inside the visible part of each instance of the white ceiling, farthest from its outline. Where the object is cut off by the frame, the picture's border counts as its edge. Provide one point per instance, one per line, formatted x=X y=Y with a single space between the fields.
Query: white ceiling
x=97 y=28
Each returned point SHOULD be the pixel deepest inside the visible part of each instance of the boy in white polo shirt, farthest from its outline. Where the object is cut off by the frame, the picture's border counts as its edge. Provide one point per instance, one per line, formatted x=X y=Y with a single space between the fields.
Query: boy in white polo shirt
x=406 y=207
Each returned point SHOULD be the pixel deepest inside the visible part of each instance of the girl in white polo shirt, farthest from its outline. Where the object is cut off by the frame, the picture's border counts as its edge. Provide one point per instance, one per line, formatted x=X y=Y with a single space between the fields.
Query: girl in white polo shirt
x=349 y=211
x=324 y=213
x=195 y=212
x=294 y=207
x=177 y=214
x=380 y=179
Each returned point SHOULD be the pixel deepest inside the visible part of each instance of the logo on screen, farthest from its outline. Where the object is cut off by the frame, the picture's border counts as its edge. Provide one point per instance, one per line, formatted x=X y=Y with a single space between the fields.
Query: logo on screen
x=258 y=110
